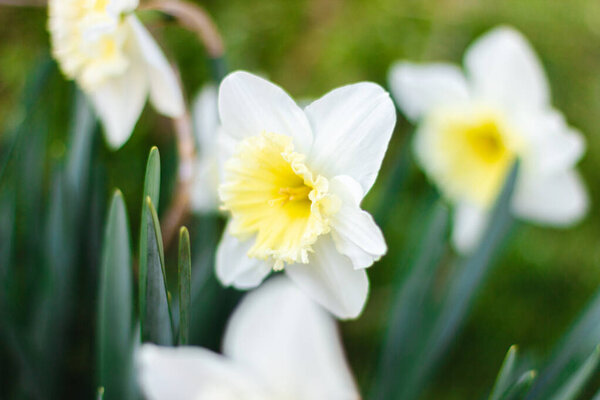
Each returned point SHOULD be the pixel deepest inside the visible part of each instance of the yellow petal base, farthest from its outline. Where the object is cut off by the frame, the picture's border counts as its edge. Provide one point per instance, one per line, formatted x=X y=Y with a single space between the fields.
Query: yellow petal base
x=272 y=195
x=468 y=153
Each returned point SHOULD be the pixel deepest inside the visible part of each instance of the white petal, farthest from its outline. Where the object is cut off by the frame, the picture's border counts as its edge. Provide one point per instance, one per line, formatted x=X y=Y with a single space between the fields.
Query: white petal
x=559 y=199
x=469 y=224
x=165 y=92
x=418 y=88
x=235 y=268
x=552 y=145
x=503 y=68
x=192 y=373
x=205 y=197
x=278 y=333
x=249 y=105
x=117 y=7
x=205 y=114
x=119 y=102
x=352 y=127
x=331 y=280
x=355 y=233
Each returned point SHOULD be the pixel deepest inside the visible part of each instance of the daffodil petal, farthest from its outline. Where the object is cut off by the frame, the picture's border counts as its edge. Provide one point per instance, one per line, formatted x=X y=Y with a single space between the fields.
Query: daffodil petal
x=165 y=92
x=282 y=336
x=469 y=224
x=122 y=6
x=205 y=115
x=503 y=67
x=554 y=146
x=331 y=280
x=119 y=102
x=249 y=106
x=235 y=268
x=204 y=196
x=355 y=233
x=352 y=127
x=418 y=88
x=192 y=373
x=559 y=199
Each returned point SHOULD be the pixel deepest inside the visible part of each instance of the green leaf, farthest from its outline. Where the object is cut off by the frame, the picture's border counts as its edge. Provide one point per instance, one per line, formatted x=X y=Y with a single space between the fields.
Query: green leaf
x=80 y=146
x=158 y=327
x=574 y=385
x=151 y=190
x=114 y=335
x=185 y=275
x=444 y=321
x=505 y=376
x=520 y=388
x=407 y=311
x=573 y=349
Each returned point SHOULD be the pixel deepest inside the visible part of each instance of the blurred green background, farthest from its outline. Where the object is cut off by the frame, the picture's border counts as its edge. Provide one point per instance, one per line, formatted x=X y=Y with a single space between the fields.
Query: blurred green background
x=543 y=277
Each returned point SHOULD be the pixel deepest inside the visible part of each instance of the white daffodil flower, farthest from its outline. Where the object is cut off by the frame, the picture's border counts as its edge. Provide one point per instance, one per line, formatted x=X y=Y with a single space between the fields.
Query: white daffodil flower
x=472 y=126
x=113 y=58
x=205 y=114
x=279 y=345
x=294 y=184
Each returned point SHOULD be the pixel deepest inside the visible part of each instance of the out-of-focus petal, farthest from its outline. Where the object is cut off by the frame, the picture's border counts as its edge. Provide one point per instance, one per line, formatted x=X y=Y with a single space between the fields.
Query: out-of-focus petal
x=559 y=199
x=418 y=88
x=355 y=233
x=165 y=92
x=352 y=127
x=205 y=114
x=502 y=67
x=119 y=102
x=192 y=373
x=205 y=196
x=278 y=333
x=117 y=7
x=469 y=224
x=552 y=145
x=249 y=106
x=235 y=268
x=331 y=280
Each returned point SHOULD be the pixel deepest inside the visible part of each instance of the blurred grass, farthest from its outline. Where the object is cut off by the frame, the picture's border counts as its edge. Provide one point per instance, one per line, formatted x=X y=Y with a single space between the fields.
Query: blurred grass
x=544 y=277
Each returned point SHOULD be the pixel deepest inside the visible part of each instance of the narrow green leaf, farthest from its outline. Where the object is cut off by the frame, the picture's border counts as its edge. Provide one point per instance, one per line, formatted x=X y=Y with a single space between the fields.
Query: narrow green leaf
x=407 y=312
x=158 y=327
x=454 y=303
x=185 y=276
x=394 y=183
x=576 y=382
x=80 y=146
x=151 y=190
x=572 y=349
x=505 y=376
x=115 y=344
x=520 y=388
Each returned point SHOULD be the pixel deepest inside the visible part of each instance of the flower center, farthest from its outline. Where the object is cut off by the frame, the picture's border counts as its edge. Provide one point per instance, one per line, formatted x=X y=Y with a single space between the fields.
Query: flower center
x=272 y=195
x=472 y=152
x=88 y=40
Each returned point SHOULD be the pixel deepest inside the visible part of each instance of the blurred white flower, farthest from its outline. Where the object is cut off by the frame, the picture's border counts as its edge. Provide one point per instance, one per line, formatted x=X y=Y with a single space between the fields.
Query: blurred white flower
x=278 y=345
x=113 y=58
x=472 y=126
x=205 y=114
x=294 y=185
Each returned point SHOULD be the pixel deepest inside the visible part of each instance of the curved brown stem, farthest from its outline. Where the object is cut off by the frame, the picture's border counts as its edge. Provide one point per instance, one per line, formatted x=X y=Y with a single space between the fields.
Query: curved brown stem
x=194 y=18
x=180 y=205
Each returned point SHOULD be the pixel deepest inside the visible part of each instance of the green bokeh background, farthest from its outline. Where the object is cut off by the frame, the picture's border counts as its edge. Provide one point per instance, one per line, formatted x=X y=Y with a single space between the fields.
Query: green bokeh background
x=543 y=277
